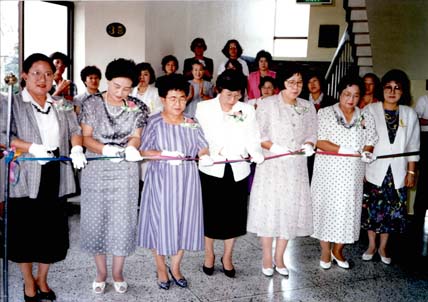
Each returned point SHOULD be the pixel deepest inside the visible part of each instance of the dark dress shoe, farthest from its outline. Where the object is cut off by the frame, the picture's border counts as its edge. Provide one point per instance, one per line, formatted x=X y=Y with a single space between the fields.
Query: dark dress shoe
x=164 y=284
x=50 y=295
x=228 y=273
x=34 y=298
x=208 y=270
x=180 y=282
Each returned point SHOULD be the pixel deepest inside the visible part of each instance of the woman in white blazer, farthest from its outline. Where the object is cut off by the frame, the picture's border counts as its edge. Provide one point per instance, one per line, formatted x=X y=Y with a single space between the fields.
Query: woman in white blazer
x=385 y=192
x=232 y=133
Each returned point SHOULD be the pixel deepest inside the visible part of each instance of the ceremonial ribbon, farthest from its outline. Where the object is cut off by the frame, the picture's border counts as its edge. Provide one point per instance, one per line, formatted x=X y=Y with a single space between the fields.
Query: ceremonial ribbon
x=11 y=156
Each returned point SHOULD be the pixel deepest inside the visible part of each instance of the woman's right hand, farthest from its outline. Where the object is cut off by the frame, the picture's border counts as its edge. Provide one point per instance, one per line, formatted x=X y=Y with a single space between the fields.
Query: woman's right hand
x=278 y=149
x=173 y=155
x=40 y=151
x=113 y=151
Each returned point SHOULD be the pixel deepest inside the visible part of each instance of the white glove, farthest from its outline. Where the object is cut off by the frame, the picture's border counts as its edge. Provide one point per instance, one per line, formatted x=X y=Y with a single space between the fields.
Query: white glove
x=278 y=149
x=77 y=157
x=38 y=150
x=348 y=150
x=205 y=161
x=308 y=149
x=113 y=151
x=173 y=162
x=132 y=154
x=257 y=158
x=367 y=157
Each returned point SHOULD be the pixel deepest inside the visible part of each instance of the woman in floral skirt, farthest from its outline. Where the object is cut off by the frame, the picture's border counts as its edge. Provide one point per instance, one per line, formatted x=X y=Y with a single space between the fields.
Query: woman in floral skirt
x=385 y=192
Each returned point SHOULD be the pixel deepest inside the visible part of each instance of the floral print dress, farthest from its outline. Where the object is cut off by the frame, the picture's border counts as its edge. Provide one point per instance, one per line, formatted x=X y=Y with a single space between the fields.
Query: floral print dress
x=384 y=207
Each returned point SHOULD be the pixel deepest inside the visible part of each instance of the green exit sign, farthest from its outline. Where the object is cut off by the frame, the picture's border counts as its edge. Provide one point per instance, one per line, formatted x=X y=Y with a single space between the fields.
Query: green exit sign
x=315 y=1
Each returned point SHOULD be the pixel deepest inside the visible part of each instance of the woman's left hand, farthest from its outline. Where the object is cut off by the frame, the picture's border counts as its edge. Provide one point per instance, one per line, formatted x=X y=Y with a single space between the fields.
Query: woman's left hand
x=409 y=181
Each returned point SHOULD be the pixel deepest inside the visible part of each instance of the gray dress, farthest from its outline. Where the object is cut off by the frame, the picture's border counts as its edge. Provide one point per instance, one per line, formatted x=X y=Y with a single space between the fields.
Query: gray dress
x=109 y=196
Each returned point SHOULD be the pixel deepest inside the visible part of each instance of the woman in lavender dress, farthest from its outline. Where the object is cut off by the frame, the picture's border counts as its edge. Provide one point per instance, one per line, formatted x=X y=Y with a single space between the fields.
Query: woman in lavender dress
x=171 y=217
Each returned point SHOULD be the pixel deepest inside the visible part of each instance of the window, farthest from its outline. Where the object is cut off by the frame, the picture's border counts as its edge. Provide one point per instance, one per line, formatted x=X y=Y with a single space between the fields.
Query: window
x=291 y=29
x=9 y=47
x=47 y=27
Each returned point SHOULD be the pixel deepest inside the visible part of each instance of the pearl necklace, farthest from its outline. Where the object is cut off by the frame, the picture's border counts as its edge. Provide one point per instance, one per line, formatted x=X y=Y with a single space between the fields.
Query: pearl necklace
x=108 y=110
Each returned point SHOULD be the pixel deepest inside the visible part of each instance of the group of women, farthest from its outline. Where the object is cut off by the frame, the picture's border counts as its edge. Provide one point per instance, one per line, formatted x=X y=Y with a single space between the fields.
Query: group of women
x=187 y=206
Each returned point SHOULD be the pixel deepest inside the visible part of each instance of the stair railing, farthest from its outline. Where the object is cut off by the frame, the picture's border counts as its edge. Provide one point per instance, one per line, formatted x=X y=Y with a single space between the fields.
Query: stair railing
x=342 y=63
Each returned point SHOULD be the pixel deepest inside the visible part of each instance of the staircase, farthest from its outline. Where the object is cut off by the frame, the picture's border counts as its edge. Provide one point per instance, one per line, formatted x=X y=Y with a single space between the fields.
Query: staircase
x=354 y=53
x=356 y=12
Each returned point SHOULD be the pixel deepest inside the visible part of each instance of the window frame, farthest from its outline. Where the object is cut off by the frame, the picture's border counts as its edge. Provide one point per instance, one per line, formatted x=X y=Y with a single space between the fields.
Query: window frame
x=70 y=33
x=276 y=37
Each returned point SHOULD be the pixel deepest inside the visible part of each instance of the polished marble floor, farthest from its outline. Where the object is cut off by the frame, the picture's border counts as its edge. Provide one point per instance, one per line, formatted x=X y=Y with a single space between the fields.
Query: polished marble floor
x=365 y=281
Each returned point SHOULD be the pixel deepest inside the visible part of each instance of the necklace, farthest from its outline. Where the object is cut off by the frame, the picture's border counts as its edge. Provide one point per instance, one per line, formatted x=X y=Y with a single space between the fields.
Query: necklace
x=341 y=120
x=107 y=105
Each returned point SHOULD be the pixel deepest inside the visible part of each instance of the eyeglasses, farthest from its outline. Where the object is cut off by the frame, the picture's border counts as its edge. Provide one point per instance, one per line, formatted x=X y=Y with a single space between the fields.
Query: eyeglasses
x=389 y=88
x=236 y=96
x=174 y=100
x=348 y=95
x=39 y=74
x=292 y=83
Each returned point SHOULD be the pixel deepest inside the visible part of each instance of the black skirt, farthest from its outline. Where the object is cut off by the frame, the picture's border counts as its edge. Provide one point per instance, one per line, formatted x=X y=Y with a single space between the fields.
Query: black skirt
x=38 y=228
x=225 y=205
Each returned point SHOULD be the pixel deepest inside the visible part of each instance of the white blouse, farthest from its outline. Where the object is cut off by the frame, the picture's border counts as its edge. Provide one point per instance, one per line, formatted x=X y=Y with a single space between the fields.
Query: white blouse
x=47 y=123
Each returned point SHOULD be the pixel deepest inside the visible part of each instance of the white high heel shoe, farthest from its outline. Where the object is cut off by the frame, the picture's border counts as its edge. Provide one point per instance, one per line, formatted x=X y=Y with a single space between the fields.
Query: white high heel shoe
x=342 y=264
x=367 y=257
x=283 y=271
x=98 y=287
x=325 y=265
x=120 y=287
x=385 y=260
x=268 y=272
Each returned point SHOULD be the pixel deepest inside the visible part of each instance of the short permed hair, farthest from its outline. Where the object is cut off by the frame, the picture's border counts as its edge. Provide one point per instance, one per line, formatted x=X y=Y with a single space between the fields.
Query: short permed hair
x=265 y=79
x=149 y=68
x=401 y=78
x=316 y=74
x=167 y=59
x=231 y=80
x=349 y=80
x=264 y=54
x=198 y=41
x=89 y=70
x=287 y=73
x=63 y=57
x=173 y=82
x=225 y=49
x=122 y=68
x=35 y=57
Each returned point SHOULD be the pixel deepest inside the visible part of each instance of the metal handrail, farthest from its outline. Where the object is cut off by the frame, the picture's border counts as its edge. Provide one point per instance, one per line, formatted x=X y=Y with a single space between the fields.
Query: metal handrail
x=342 y=62
x=338 y=52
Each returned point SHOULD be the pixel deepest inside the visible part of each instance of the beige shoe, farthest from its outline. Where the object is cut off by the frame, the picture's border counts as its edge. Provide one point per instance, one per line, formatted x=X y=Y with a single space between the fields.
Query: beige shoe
x=342 y=264
x=368 y=257
x=385 y=260
x=98 y=287
x=120 y=287
x=325 y=265
x=268 y=272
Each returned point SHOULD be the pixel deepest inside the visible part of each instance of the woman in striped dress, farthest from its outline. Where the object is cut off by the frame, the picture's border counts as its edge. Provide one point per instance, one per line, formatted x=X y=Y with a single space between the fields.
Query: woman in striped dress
x=171 y=217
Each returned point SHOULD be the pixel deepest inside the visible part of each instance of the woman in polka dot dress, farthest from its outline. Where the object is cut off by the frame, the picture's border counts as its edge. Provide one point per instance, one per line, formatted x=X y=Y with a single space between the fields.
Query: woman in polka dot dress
x=337 y=184
x=112 y=124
